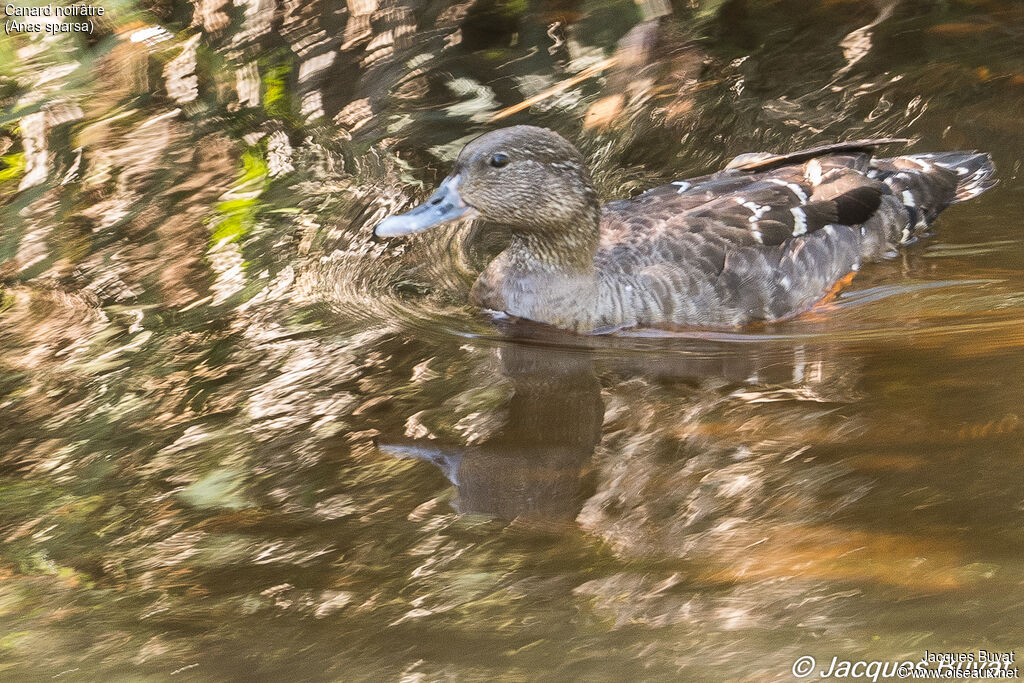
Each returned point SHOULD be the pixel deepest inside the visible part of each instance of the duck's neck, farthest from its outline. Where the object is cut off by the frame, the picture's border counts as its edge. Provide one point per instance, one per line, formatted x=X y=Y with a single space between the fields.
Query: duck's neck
x=569 y=246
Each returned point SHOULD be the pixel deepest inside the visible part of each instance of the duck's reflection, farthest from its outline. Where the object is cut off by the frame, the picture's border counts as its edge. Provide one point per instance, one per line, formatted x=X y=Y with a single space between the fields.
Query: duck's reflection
x=535 y=465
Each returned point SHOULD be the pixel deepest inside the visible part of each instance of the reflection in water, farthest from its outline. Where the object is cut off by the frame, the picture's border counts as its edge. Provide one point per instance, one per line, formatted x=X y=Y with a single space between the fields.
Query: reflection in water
x=208 y=367
x=534 y=464
x=529 y=457
x=857 y=43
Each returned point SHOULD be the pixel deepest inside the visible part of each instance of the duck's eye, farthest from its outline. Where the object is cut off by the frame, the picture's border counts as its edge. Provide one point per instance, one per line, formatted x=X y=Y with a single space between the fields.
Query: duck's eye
x=499 y=160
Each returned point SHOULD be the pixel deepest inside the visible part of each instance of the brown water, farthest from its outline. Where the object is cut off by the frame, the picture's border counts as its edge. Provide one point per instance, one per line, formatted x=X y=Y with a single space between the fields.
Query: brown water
x=242 y=440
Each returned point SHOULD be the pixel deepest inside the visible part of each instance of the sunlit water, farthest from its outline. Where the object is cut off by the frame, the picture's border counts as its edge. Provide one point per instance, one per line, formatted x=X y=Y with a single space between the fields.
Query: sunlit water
x=242 y=439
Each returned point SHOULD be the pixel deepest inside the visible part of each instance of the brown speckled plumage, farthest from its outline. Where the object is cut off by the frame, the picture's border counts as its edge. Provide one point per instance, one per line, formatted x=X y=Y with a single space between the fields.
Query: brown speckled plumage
x=761 y=240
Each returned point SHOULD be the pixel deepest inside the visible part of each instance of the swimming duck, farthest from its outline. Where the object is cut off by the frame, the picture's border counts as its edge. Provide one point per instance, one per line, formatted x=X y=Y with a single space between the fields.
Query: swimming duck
x=764 y=239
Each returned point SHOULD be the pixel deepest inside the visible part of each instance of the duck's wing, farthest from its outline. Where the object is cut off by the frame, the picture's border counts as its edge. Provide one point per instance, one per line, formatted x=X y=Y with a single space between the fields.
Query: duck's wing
x=765 y=243
x=747 y=169
x=751 y=208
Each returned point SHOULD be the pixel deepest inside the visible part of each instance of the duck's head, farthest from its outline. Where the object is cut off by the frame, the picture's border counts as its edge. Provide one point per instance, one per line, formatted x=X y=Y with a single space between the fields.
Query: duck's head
x=530 y=179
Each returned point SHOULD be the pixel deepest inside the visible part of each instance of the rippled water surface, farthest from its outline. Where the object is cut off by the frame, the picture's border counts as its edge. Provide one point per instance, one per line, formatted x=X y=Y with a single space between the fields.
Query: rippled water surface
x=240 y=439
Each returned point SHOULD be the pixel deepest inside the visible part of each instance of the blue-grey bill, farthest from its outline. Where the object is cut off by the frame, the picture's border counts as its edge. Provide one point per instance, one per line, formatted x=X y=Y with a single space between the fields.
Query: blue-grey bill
x=444 y=206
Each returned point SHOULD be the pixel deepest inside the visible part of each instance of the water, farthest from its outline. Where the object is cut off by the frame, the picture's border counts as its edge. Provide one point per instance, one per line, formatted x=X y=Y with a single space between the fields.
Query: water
x=243 y=439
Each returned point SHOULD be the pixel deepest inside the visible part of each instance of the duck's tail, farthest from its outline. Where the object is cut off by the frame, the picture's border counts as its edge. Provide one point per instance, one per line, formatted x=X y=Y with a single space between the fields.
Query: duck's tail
x=973 y=170
x=927 y=183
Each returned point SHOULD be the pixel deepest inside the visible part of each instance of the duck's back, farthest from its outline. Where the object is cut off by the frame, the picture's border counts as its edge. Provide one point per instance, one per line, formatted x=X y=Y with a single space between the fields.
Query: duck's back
x=771 y=235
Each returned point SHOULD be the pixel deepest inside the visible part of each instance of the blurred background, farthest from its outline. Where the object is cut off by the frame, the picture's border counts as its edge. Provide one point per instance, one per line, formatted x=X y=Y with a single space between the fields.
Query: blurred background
x=240 y=438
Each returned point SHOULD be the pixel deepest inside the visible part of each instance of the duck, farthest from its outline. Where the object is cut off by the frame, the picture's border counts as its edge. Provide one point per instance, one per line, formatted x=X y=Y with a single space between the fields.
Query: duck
x=761 y=240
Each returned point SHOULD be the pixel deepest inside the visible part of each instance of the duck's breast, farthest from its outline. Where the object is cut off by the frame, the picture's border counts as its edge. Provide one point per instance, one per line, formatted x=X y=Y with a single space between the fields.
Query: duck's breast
x=533 y=291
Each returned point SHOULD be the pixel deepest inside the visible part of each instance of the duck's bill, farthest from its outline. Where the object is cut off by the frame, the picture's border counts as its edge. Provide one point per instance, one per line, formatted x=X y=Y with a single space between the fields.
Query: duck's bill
x=444 y=206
